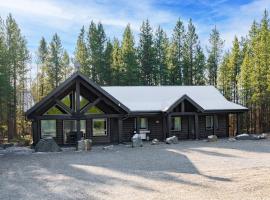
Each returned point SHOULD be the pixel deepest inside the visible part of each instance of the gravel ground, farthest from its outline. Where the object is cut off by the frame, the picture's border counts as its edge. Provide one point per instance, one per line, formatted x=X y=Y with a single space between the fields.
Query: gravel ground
x=188 y=170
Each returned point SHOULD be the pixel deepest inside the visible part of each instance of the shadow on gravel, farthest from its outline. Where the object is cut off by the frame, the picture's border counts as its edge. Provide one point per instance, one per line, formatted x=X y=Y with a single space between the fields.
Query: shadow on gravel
x=63 y=175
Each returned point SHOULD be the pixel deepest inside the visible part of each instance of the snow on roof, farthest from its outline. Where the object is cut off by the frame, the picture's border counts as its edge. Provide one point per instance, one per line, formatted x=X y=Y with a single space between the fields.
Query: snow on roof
x=161 y=98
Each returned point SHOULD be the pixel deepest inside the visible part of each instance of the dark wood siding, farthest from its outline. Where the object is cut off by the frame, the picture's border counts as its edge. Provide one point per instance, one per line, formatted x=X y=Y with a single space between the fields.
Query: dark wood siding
x=128 y=129
x=155 y=127
x=114 y=130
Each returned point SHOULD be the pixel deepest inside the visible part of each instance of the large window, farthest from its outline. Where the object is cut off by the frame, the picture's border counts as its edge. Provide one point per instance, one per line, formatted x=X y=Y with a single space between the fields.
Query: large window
x=99 y=127
x=70 y=131
x=176 y=123
x=48 y=128
x=209 y=122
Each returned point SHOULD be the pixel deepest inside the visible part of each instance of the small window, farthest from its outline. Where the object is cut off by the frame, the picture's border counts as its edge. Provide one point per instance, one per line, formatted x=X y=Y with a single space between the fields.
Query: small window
x=209 y=122
x=143 y=123
x=48 y=128
x=99 y=127
x=176 y=123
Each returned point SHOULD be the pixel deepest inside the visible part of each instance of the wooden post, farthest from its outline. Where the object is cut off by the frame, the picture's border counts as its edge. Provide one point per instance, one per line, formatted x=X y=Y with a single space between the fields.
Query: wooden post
x=238 y=131
x=78 y=97
x=137 y=125
x=78 y=107
x=169 y=118
x=120 y=130
x=35 y=132
x=196 y=121
x=214 y=124
x=164 y=127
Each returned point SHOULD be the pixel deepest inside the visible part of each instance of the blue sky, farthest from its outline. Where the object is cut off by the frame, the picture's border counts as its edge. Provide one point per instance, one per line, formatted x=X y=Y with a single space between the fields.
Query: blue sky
x=39 y=18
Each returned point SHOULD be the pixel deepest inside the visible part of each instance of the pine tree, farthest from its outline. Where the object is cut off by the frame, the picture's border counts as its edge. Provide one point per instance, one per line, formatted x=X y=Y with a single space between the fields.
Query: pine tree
x=129 y=57
x=67 y=69
x=234 y=68
x=117 y=64
x=18 y=56
x=41 y=76
x=96 y=40
x=190 y=47
x=81 y=54
x=5 y=86
x=54 y=69
x=223 y=81
x=214 y=55
x=146 y=54
x=161 y=45
x=199 y=67
x=176 y=53
x=108 y=76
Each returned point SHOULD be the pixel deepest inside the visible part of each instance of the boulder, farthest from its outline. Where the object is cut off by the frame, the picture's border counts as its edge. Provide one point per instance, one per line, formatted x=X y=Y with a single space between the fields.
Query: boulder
x=212 y=138
x=110 y=147
x=136 y=141
x=231 y=139
x=172 y=140
x=155 y=141
x=87 y=144
x=246 y=136
x=47 y=145
x=81 y=145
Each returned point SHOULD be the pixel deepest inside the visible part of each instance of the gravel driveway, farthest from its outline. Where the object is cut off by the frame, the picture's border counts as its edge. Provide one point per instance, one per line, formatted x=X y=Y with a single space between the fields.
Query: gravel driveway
x=188 y=170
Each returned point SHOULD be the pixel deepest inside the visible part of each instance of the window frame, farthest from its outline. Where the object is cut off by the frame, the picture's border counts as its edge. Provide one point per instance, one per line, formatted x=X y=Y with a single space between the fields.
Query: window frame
x=41 y=132
x=211 y=127
x=106 y=127
x=173 y=123
x=146 y=123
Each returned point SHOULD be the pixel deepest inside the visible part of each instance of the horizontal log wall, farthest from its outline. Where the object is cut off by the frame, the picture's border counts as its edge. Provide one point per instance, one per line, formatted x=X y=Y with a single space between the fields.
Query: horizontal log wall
x=128 y=129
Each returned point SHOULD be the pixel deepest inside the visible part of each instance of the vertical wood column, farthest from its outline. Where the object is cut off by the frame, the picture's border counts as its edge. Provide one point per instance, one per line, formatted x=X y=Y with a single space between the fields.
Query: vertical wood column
x=137 y=125
x=196 y=121
x=120 y=130
x=164 y=127
x=169 y=123
x=78 y=108
x=35 y=132
x=214 y=124
x=238 y=129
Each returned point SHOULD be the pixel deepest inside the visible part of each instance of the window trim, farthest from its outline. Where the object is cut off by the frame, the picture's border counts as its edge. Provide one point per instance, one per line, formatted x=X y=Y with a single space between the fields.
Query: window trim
x=41 y=135
x=106 y=125
x=173 y=125
x=212 y=122
x=147 y=123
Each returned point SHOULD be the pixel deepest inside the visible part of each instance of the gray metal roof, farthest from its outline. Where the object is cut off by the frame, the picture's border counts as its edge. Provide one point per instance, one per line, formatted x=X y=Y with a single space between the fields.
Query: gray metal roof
x=161 y=98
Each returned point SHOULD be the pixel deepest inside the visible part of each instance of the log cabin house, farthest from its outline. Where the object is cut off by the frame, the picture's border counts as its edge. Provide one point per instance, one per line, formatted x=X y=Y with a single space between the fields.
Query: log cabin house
x=80 y=108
